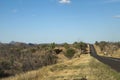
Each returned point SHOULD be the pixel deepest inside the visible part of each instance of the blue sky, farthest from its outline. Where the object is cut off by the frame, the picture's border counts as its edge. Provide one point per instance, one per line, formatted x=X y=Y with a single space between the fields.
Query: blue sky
x=46 y=21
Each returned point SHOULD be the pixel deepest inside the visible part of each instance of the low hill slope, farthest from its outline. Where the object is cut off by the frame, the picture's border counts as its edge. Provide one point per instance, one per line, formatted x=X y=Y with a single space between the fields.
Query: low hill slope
x=83 y=68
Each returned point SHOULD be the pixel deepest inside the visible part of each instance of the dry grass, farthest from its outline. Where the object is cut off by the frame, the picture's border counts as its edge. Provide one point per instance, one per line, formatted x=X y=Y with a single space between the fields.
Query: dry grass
x=98 y=50
x=116 y=54
x=75 y=69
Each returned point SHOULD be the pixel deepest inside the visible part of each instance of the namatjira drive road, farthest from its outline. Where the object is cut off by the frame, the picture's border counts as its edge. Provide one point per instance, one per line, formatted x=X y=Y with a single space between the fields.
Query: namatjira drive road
x=114 y=63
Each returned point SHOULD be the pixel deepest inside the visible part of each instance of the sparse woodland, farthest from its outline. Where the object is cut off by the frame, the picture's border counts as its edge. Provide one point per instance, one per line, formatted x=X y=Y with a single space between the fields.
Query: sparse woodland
x=108 y=48
x=18 y=57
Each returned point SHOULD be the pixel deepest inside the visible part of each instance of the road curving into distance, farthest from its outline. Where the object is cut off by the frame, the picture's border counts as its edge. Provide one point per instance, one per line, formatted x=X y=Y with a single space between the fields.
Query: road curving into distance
x=114 y=63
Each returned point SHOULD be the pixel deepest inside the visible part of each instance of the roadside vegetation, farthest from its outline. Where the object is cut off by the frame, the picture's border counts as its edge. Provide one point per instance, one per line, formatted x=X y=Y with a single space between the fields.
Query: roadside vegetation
x=19 y=57
x=70 y=53
x=20 y=61
x=16 y=57
x=109 y=49
x=84 y=68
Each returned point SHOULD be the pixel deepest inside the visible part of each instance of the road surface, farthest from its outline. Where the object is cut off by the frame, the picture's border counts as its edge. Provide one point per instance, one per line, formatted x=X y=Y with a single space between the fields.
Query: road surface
x=114 y=63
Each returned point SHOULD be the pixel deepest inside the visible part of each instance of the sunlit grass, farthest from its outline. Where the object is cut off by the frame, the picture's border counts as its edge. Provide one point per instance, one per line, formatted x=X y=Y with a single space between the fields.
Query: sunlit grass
x=78 y=68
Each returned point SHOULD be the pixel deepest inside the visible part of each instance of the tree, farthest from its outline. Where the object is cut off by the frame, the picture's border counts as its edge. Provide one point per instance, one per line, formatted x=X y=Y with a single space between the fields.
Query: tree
x=96 y=43
x=102 y=45
x=81 y=45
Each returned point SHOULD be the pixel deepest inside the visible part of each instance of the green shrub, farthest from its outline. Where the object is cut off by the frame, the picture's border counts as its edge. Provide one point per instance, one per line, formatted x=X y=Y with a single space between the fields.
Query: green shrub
x=5 y=67
x=70 y=53
x=80 y=45
x=52 y=45
x=66 y=45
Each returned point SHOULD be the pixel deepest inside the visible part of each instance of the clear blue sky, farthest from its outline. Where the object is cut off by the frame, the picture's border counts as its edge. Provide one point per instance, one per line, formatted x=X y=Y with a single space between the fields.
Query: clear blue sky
x=45 y=21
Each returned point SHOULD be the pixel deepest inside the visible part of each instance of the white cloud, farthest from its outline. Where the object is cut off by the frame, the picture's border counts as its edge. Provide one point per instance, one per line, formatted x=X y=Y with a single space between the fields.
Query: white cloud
x=65 y=1
x=117 y=16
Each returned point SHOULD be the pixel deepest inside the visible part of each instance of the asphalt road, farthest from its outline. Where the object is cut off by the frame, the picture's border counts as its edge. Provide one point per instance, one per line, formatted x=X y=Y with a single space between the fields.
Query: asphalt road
x=114 y=63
